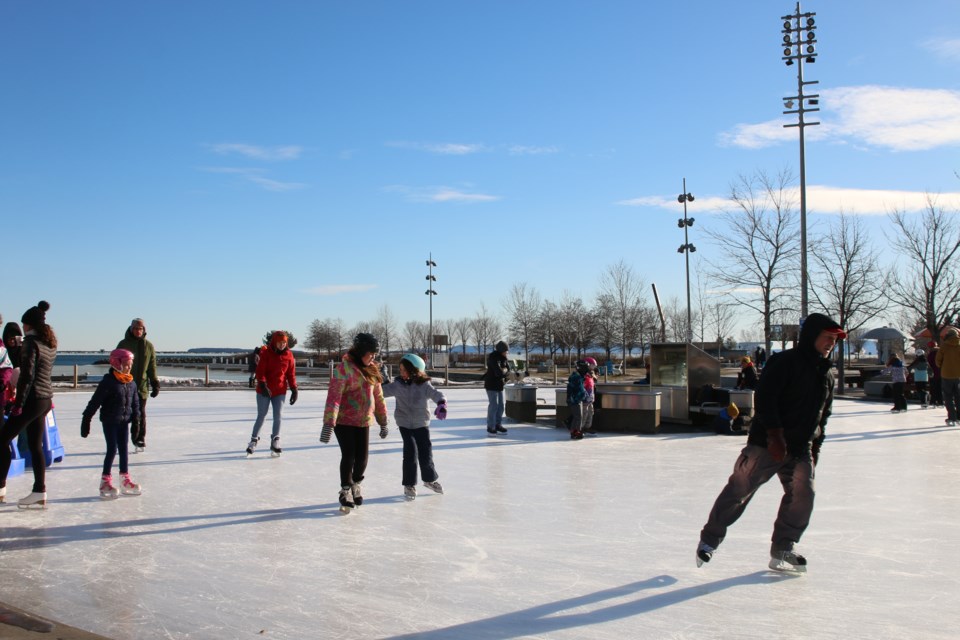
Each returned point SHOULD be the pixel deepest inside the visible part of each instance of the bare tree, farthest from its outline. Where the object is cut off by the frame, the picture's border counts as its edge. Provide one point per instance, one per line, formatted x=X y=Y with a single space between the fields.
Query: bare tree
x=545 y=329
x=622 y=288
x=460 y=332
x=577 y=328
x=845 y=279
x=415 y=335
x=485 y=328
x=721 y=318
x=929 y=283
x=605 y=317
x=523 y=307
x=676 y=315
x=760 y=244
x=385 y=327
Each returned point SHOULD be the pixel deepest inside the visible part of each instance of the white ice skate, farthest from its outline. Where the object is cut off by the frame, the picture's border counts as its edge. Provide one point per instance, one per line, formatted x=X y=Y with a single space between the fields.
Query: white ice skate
x=346 y=499
x=788 y=561
x=434 y=486
x=36 y=500
x=357 y=494
x=107 y=490
x=275 y=449
x=128 y=487
x=409 y=492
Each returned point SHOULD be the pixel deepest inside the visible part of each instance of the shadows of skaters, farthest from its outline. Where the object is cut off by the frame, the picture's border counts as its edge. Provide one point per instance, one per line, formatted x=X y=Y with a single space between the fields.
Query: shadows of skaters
x=546 y=618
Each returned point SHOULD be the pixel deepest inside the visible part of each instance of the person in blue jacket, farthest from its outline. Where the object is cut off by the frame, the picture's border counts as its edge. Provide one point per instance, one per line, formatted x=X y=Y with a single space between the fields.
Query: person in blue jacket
x=118 y=400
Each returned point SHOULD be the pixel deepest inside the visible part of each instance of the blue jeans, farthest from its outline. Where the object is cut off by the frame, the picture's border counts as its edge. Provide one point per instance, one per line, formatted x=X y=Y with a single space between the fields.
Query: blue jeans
x=263 y=403
x=494 y=409
x=115 y=433
x=417 y=447
x=753 y=468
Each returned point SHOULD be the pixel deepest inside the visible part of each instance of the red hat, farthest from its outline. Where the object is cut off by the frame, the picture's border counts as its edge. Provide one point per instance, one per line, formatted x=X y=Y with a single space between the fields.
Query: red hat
x=931 y=344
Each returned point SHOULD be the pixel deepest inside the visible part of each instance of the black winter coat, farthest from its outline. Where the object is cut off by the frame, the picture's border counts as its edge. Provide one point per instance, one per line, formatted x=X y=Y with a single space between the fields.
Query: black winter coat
x=796 y=392
x=496 y=374
x=36 y=369
x=118 y=402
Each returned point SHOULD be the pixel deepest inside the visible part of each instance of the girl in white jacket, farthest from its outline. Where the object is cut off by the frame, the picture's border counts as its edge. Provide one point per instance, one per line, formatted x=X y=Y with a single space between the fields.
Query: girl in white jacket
x=413 y=391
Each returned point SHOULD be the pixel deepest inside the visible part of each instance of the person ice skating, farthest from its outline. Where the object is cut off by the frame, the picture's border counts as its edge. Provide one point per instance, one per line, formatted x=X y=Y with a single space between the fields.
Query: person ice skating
x=493 y=381
x=276 y=372
x=252 y=361
x=589 y=387
x=793 y=402
x=921 y=377
x=13 y=341
x=34 y=400
x=948 y=360
x=354 y=401
x=8 y=384
x=723 y=423
x=576 y=395
x=144 y=375
x=898 y=378
x=412 y=391
x=936 y=384
x=118 y=401
x=747 y=376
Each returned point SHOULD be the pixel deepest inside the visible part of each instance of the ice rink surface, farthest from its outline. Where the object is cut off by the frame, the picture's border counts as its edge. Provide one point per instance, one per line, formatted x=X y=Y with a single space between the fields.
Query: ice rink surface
x=536 y=536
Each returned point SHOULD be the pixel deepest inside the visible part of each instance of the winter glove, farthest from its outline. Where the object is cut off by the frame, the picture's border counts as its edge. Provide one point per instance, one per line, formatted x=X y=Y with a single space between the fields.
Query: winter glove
x=815 y=452
x=382 y=421
x=383 y=431
x=85 y=427
x=17 y=410
x=325 y=433
x=293 y=396
x=262 y=389
x=776 y=444
x=252 y=383
x=441 y=411
x=156 y=388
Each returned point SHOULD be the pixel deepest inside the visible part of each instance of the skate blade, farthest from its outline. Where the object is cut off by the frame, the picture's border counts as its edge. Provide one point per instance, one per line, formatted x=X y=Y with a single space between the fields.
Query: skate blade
x=786 y=567
x=131 y=493
x=274 y=454
x=108 y=497
x=345 y=509
x=35 y=505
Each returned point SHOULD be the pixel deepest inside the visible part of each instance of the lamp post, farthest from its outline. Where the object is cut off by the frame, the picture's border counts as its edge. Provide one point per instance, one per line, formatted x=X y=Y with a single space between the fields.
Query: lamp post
x=686 y=248
x=430 y=293
x=799 y=45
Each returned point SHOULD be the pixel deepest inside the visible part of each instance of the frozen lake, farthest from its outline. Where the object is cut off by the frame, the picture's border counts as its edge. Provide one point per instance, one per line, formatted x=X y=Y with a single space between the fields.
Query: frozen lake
x=536 y=536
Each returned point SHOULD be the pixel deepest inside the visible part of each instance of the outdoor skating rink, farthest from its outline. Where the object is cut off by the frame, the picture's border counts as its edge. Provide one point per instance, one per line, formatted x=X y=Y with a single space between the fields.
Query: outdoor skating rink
x=536 y=536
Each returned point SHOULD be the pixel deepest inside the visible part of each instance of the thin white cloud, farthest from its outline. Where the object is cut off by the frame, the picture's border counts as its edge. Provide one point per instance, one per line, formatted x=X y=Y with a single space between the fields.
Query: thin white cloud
x=440 y=194
x=337 y=289
x=946 y=48
x=895 y=118
x=288 y=152
x=523 y=150
x=442 y=148
x=255 y=176
x=820 y=199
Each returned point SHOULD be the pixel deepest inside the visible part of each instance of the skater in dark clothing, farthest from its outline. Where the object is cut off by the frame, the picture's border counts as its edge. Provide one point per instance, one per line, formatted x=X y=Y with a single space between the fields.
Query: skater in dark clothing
x=144 y=374
x=793 y=403
x=252 y=360
x=13 y=341
x=724 y=422
x=33 y=402
x=747 y=377
x=576 y=395
x=493 y=380
x=936 y=392
x=118 y=401
x=948 y=360
x=898 y=378
x=412 y=390
x=921 y=376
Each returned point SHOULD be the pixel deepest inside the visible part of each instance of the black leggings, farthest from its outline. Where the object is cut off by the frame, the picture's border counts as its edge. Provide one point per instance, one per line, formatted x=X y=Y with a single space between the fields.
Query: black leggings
x=354 y=450
x=33 y=419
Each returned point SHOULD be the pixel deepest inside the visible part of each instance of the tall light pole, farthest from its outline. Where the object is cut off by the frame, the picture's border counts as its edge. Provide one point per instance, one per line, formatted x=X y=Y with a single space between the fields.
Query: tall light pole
x=430 y=293
x=686 y=248
x=799 y=45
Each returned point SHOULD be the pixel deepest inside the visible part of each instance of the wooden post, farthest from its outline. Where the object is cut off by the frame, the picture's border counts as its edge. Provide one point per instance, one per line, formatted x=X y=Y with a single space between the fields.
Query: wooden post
x=76 y=376
x=206 y=375
x=555 y=367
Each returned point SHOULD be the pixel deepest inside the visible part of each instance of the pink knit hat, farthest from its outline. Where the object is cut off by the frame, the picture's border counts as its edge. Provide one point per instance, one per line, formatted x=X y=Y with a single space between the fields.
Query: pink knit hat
x=119 y=356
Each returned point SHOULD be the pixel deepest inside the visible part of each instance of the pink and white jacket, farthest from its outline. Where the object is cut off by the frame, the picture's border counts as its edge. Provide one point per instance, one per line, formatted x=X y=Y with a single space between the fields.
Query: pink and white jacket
x=351 y=400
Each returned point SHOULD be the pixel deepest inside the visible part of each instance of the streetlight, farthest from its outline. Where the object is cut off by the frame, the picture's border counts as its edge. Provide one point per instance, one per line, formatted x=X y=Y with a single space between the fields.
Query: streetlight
x=686 y=248
x=430 y=293
x=799 y=44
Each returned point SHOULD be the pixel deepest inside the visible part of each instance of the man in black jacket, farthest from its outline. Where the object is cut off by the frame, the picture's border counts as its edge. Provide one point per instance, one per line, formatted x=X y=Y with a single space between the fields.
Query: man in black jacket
x=493 y=381
x=793 y=403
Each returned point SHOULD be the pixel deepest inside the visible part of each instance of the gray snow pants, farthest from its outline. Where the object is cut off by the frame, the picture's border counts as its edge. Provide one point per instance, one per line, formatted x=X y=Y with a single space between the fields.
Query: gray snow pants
x=753 y=468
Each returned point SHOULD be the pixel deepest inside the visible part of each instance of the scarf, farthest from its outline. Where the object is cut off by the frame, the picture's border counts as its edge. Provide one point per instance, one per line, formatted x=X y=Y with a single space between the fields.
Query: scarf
x=123 y=378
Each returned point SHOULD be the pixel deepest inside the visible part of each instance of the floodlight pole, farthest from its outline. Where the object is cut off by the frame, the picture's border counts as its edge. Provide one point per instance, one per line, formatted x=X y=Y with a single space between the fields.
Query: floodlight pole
x=430 y=293
x=687 y=248
x=800 y=50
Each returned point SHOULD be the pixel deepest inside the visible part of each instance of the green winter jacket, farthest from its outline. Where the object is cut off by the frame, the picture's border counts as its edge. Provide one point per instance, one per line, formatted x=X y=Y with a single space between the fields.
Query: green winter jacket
x=144 y=361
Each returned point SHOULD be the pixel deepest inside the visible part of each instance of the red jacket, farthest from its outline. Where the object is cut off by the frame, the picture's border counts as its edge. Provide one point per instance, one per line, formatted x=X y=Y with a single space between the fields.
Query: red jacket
x=278 y=370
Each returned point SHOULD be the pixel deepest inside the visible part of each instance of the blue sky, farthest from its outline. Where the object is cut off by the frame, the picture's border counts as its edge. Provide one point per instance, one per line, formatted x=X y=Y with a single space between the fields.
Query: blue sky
x=225 y=167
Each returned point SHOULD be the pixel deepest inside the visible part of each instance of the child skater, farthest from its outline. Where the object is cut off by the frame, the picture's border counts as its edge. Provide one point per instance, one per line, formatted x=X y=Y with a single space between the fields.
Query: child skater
x=589 y=383
x=354 y=401
x=412 y=391
x=576 y=395
x=118 y=400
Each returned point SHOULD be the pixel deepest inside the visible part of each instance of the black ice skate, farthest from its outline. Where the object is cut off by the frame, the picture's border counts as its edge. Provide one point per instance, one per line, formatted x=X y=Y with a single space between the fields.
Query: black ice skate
x=704 y=553
x=788 y=561
x=252 y=446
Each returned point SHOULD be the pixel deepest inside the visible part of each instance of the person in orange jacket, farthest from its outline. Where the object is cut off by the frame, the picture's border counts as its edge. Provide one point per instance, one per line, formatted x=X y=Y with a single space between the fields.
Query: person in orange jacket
x=276 y=372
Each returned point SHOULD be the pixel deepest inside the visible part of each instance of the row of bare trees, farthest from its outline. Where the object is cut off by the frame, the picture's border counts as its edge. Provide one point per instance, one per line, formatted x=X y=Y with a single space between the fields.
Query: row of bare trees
x=757 y=275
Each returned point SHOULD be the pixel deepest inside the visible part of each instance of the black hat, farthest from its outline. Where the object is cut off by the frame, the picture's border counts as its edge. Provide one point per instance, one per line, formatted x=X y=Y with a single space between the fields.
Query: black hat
x=365 y=343
x=36 y=316
x=10 y=330
x=502 y=347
